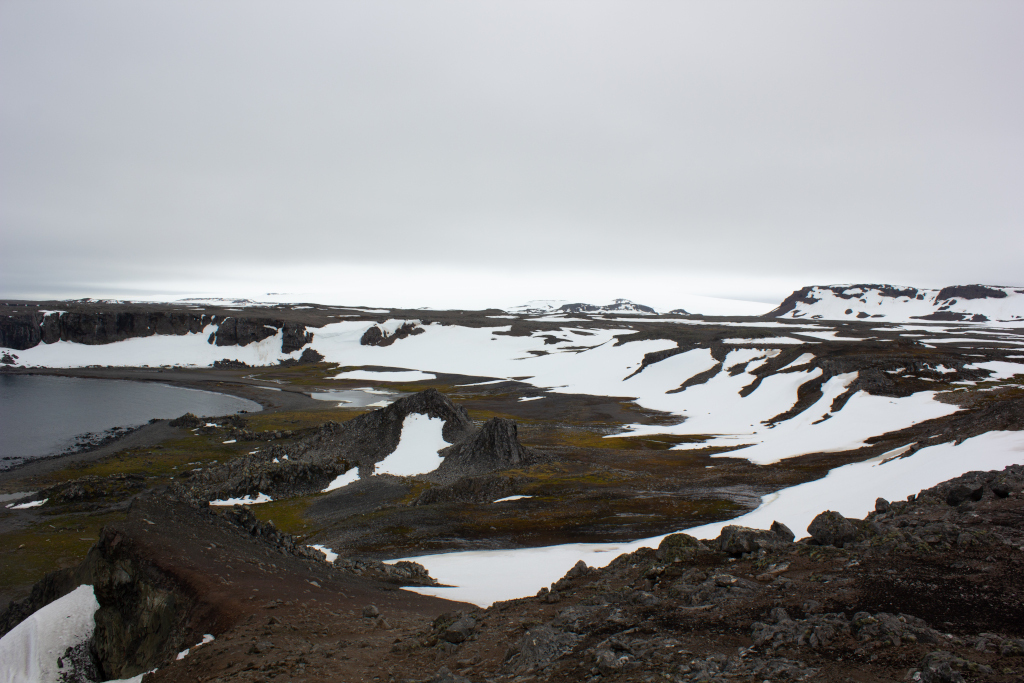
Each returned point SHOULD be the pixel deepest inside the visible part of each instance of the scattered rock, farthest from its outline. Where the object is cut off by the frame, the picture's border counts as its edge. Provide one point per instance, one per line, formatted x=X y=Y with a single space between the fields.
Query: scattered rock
x=831 y=528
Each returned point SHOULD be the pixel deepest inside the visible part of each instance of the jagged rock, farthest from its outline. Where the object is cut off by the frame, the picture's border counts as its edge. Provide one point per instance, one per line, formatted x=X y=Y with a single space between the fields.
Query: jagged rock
x=310 y=355
x=229 y=364
x=375 y=336
x=188 y=421
x=294 y=337
x=882 y=506
x=494 y=447
x=782 y=531
x=404 y=573
x=736 y=540
x=831 y=528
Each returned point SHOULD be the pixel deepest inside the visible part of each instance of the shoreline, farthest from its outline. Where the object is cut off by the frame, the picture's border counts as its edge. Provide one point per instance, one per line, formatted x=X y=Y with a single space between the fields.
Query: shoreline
x=155 y=432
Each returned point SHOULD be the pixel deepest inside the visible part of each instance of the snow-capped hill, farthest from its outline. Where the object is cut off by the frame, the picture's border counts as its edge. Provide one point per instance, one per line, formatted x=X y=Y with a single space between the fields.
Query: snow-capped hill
x=617 y=306
x=537 y=307
x=549 y=306
x=959 y=303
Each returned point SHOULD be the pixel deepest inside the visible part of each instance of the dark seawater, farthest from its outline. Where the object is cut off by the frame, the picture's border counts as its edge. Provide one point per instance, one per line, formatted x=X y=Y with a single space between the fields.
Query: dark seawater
x=42 y=415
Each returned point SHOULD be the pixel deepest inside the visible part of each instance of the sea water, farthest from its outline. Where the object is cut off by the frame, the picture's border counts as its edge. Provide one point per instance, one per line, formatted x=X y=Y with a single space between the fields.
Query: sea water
x=42 y=415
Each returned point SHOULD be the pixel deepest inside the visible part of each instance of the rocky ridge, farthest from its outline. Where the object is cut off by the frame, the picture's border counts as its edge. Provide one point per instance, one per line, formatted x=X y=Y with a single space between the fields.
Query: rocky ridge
x=308 y=465
x=924 y=589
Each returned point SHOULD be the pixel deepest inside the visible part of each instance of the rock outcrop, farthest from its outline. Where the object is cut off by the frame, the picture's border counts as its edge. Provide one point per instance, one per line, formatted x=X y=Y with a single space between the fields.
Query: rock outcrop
x=493 y=448
x=25 y=330
x=376 y=336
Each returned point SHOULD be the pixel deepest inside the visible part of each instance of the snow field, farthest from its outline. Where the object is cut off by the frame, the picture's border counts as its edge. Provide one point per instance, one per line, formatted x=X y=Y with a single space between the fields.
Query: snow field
x=486 y=576
x=903 y=309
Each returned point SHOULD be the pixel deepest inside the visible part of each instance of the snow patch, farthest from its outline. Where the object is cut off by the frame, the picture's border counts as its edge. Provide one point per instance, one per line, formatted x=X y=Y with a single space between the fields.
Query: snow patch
x=248 y=500
x=30 y=650
x=397 y=376
x=417 y=449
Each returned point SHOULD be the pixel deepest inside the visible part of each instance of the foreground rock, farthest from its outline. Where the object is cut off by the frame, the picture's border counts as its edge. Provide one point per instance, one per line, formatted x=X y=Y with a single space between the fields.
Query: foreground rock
x=924 y=591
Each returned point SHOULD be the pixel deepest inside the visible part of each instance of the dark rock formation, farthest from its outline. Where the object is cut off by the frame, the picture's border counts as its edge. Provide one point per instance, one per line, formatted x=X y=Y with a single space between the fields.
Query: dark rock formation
x=402 y=573
x=494 y=447
x=295 y=337
x=188 y=421
x=680 y=548
x=25 y=330
x=310 y=464
x=831 y=528
x=229 y=364
x=242 y=331
x=311 y=356
x=375 y=336
x=617 y=306
x=969 y=292
x=737 y=540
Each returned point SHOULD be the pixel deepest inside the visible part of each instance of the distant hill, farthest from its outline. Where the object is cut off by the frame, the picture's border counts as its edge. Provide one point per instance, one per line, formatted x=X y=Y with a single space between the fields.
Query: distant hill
x=959 y=303
x=619 y=306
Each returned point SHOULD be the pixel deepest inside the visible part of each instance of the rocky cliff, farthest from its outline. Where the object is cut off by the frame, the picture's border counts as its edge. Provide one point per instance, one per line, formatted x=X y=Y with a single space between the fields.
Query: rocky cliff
x=24 y=330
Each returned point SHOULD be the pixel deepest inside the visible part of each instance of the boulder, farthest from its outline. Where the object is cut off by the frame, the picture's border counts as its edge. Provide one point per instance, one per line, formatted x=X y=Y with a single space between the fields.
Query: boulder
x=737 y=540
x=783 y=531
x=961 y=493
x=831 y=528
x=460 y=630
x=680 y=547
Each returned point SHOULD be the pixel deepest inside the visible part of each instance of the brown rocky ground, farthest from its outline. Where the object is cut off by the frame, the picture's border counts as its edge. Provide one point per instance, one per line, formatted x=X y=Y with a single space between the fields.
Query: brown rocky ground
x=927 y=589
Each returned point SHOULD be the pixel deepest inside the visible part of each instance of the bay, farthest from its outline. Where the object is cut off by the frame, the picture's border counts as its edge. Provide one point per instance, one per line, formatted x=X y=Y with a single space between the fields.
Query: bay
x=42 y=415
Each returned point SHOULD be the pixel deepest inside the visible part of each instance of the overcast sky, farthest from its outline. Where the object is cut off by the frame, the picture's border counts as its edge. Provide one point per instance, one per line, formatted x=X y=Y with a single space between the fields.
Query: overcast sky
x=475 y=153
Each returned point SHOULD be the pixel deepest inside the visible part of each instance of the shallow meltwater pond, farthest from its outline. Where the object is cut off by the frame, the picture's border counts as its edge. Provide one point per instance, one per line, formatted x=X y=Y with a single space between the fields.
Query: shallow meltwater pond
x=358 y=398
x=42 y=415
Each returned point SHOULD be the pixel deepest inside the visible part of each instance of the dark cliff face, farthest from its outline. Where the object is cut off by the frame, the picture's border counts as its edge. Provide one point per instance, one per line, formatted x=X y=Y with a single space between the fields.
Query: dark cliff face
x=25 y=330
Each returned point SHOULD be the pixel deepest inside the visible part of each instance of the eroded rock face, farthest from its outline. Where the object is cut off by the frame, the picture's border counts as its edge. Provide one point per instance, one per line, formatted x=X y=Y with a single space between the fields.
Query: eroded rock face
x=23 y=331
x=494 y=447
x=310 y=464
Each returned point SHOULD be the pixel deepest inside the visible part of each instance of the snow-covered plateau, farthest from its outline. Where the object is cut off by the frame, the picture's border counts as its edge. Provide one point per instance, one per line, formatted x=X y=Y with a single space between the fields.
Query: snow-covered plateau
x=630 y=424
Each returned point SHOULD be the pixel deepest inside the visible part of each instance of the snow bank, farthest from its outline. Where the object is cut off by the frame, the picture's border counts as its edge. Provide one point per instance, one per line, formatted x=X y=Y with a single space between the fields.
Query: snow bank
x=417 y=449
x=485 y=576
x=29 y=652
x=343 y=480
x=191 y=349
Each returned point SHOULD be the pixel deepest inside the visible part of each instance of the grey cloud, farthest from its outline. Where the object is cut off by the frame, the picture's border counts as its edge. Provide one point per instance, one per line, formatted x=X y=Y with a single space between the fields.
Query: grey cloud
x=795 y=140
